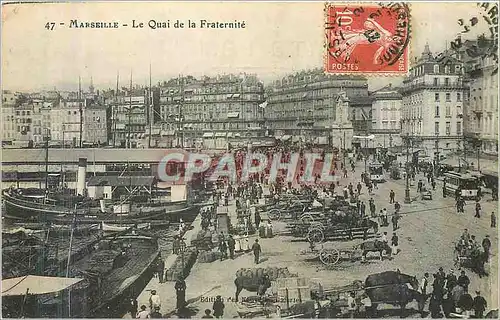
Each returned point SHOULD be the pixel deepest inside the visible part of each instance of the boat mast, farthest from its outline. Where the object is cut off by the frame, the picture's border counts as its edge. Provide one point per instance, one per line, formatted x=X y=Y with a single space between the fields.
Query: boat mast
x=150 y=107
x=73 y=225
x=46 y=162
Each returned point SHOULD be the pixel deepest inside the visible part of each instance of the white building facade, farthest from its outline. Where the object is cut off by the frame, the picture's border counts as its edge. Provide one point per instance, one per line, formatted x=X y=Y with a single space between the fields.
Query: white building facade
x=387 y=104
x=433 y=101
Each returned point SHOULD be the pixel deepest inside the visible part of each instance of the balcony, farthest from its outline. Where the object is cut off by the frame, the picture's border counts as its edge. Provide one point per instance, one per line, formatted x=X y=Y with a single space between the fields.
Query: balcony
x=424 y=86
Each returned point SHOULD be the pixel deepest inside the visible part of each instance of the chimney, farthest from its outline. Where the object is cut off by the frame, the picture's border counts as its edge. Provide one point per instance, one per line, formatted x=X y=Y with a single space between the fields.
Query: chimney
x=82 y=172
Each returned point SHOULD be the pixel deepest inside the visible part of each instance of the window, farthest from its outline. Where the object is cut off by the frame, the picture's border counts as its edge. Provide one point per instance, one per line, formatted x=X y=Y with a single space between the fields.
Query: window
x=436 y=68
x=436 y=81
x=459 y=128
x=437 y=112
x=447 y=69
x=17 y=113
x=448 y=111
x=448 y=97
x=436 y=128
x=436 y=96
x=22 y=113
x=459 y=96
x=448 y=128
x=446 y=81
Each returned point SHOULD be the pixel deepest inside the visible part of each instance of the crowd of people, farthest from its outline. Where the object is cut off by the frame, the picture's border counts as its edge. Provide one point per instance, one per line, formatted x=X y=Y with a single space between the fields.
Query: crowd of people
x=448 y=293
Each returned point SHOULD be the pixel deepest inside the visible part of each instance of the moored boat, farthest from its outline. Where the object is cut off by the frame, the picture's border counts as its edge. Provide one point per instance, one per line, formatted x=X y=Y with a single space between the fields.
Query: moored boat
x=114 y=268
x=121 y=227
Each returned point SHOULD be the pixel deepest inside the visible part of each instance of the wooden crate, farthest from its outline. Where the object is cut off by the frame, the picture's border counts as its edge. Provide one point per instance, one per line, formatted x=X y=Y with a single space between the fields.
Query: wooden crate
x=291 y=291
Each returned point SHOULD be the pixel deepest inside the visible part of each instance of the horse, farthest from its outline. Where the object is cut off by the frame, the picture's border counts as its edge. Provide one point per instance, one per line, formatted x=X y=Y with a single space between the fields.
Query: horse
x=391 y=287
x=374 y=246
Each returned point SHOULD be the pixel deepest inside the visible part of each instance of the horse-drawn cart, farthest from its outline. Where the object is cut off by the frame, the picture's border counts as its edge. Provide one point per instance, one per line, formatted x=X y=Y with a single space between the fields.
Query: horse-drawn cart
x=330 y=254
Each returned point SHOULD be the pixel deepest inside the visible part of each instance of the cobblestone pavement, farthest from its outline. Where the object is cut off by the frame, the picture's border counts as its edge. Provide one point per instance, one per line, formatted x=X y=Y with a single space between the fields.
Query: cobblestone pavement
x=427 y=232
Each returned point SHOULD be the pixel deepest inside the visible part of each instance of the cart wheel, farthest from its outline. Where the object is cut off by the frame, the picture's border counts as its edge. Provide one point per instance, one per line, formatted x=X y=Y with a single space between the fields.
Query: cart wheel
x=317 y=225
x=315 y=235
x=329 y=256
x=274 y=214
x=307 y=218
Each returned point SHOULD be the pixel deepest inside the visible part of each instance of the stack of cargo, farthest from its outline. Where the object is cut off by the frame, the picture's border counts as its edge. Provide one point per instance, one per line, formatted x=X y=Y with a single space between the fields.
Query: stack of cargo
x=209 y=256
x=182 y=265
x=203 y=240
x=257 y=273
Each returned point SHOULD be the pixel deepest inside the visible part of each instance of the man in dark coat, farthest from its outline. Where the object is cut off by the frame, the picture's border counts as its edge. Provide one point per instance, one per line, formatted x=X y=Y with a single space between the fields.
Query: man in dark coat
x=391 y=196
x=257 y=219
x=256 y=249
x=394 y=222
x=478 y=210
x=451 y=280
x=180 y=290
x=479 y=305
x=463 y=281
x=160 y=269
x=218 y=307
x=231 y=244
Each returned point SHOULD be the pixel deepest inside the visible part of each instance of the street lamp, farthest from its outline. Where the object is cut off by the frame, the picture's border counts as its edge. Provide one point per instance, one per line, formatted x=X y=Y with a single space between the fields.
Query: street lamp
x=478 y=144
x=182 y=249
x=407 y=188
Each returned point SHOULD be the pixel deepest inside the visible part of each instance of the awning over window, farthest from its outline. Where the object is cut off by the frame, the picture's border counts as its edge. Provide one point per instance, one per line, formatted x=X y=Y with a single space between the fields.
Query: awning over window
x=155 y=132
x=286 y=137
x=295 y=139
x=237 y=135
x=229 y=134
x=229 y=96
x=232 y=115
x=236 y=95
x=304 y=95
x=220 y=134
x=120 y=126
x=208 y=135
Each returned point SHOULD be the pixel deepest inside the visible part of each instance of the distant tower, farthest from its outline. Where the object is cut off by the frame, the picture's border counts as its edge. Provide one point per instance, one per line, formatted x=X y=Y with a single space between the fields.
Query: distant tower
x=91 y=87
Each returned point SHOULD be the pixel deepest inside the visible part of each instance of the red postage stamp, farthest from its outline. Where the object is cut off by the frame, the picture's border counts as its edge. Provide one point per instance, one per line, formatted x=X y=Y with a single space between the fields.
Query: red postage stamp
x=367 y=38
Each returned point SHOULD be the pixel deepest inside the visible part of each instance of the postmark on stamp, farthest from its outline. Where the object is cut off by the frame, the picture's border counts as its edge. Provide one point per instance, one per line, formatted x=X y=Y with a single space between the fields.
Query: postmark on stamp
x=368 y=38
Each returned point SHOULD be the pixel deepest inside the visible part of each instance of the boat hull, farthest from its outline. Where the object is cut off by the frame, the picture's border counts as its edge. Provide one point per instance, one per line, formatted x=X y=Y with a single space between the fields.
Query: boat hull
x=35 y=212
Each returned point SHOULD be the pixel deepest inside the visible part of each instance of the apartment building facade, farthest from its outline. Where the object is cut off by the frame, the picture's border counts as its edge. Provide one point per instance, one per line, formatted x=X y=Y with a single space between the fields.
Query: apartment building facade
x=386 y=117
x=433 y=102
x=302 y=106
x=211 y=112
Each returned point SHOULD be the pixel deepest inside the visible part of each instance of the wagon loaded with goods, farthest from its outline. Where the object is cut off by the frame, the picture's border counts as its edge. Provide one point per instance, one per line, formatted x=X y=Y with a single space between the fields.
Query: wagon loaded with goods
x=288 y=292
x=389 y=287
x=318 y=228
x=331 y=254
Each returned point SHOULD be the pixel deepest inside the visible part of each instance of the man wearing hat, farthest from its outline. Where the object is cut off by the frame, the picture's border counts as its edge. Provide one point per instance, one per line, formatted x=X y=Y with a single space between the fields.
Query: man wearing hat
x=479 y=305
x=463 y=281
x=451 y=280
x=486 y=246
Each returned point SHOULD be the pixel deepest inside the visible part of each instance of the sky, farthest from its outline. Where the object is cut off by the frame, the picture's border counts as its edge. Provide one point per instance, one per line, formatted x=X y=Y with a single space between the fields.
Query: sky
x=278 y=39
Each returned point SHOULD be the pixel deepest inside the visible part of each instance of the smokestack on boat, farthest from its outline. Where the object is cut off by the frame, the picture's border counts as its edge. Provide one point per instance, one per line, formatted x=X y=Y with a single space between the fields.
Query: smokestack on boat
x=82 y=173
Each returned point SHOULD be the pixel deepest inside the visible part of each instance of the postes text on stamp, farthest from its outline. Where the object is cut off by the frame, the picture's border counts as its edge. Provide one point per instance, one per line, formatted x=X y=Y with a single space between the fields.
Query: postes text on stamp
x=367 y=38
